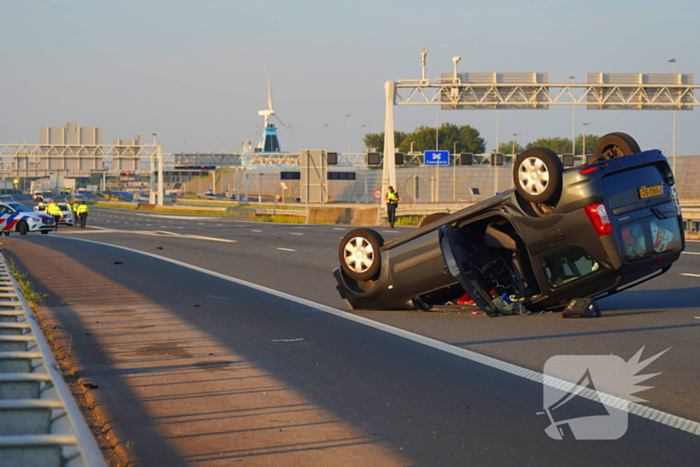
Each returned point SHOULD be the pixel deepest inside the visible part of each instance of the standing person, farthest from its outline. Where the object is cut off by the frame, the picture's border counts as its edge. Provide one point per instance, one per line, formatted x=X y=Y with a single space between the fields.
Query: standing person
x=82 y=214
x=53 y=210
x=73 y=207
x=392 y=200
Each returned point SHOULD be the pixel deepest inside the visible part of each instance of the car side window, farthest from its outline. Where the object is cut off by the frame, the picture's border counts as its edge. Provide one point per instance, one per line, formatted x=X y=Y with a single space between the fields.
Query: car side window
x=5 y=210
x=568 y=264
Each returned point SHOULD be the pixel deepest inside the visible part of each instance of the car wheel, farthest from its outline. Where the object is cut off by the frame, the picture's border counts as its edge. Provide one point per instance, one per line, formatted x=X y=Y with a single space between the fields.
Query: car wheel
x=537 y=174
x=6 y=233
x=359 y=254
x=436 y=216
x=614 y=145
x=44 y=232
x=22 y=228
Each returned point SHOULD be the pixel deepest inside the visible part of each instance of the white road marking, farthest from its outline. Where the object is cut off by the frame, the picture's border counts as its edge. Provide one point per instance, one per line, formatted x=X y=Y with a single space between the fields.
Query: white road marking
x=285 y=249
x=338 y=228
x=221 y=298
x=157 y=233
x=181 y=217
x=690 y=253
x=288 y=340
x=258 y=231
x=295 y=233
x=689 y=274
x=654 y=415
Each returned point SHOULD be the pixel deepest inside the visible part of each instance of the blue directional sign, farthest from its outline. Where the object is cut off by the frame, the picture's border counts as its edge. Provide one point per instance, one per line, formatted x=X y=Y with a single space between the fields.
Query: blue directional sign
x=436 y=158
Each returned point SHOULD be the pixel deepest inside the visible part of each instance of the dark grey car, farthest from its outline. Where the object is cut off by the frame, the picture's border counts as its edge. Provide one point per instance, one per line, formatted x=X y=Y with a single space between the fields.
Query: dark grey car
x=583 y=232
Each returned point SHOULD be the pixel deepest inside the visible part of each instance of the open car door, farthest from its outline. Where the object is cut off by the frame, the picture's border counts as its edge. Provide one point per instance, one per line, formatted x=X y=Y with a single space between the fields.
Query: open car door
x=459 y=265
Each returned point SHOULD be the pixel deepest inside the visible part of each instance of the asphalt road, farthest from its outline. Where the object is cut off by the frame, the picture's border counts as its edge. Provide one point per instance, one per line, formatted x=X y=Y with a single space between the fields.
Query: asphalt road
x=402 y=400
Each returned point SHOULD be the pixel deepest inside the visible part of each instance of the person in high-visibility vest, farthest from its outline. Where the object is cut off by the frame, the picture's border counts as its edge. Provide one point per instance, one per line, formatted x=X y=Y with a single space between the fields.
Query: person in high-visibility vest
x=53 y=210
x=82 y=214
x=73 y=207
x=392 y=200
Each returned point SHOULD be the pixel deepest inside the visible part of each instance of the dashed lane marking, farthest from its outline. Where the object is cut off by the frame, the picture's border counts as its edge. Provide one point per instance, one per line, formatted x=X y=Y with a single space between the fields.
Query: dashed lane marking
x=285 y=249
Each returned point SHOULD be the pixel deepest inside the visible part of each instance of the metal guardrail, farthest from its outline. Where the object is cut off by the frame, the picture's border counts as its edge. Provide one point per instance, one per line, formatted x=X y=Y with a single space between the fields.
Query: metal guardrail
x=40 y=423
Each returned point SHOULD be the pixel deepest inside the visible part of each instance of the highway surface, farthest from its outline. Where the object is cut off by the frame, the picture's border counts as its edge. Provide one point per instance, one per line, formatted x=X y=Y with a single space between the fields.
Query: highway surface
x=316 y=384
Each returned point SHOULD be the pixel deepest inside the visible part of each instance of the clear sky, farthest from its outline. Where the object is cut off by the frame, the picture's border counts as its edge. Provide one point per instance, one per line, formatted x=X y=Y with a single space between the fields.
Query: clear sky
x=195 y=71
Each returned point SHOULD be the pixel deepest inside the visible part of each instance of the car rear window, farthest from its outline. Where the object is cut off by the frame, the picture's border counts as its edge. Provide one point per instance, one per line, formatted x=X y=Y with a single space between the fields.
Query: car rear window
x=632 y=186
x=568 y=264
x=649 y=237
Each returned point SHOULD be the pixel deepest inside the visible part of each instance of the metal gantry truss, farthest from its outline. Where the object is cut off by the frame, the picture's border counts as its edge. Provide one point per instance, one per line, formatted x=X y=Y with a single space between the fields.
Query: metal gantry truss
x=41 y=160
x=602 y=91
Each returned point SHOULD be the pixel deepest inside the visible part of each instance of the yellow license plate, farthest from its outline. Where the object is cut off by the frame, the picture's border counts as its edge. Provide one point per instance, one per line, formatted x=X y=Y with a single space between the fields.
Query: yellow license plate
x=651 y=191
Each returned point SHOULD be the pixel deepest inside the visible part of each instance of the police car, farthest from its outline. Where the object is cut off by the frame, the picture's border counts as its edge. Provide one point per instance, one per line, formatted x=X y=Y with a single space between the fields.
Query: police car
x=67 y=216
x=16 y=217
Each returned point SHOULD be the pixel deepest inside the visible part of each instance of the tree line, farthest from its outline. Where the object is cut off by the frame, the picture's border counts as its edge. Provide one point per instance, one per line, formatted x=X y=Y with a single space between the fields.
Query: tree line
x=465 y=138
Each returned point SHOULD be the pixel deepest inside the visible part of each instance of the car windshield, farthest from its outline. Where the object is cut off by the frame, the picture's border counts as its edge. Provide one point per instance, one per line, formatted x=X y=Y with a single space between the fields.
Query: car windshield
x=19 y=207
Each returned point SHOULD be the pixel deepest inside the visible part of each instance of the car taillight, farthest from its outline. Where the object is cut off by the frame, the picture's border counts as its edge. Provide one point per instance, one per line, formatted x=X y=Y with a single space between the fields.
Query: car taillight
x=598 y=216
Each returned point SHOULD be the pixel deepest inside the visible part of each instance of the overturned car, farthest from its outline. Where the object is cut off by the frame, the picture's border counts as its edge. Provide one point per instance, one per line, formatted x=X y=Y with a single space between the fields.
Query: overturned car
x=584 y=232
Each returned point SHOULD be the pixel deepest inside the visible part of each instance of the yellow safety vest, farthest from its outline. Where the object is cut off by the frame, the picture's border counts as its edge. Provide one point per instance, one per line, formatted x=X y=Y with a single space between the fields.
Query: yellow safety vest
x=53 y=210
x=82 y=209
x=392 y=197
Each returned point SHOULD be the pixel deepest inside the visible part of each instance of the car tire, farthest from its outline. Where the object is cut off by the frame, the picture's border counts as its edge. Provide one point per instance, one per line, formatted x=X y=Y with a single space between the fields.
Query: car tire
x=22 y=228
x=44 y=232
x=537 y=175
x=359 y=254
x=614 y=145
x=434 y=217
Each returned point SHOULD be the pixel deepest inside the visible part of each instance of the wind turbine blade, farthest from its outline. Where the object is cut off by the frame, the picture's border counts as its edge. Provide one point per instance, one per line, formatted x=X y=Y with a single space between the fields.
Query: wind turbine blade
x=269 y=90
x=281 y=122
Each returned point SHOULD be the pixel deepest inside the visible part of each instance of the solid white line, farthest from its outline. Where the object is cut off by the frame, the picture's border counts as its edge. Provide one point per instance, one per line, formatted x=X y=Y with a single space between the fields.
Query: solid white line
x=648 y=413
x=179 y=217
x=159 y=233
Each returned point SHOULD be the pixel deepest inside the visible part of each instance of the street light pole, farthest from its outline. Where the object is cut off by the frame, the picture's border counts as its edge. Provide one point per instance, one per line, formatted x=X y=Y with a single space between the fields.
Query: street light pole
x=514 y=135
x=584 y=141
x=673 y=60
x=573 y=121
x=152 y=191
x=349 y=133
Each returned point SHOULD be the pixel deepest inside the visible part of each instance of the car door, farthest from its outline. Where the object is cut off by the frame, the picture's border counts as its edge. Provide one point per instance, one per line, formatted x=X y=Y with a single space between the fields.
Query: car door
x=7 y=218
x=459 y=265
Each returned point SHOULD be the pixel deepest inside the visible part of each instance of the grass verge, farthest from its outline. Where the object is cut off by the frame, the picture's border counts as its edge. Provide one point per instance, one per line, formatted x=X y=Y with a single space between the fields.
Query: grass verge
x=33 y=298
x=280 y=219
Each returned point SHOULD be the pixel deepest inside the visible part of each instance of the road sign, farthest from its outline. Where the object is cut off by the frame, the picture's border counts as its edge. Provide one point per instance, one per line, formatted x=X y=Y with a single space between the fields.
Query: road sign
x=436 y=158
x=377 y=194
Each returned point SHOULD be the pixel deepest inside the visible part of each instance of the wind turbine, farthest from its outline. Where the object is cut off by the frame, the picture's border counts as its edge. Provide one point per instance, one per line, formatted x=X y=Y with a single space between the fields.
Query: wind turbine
x=269 y=141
